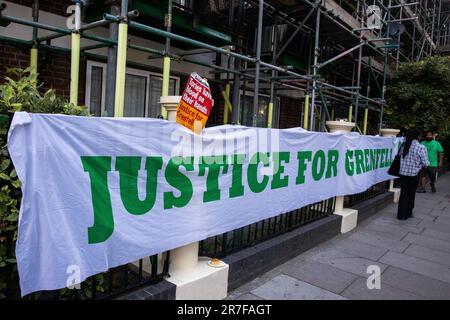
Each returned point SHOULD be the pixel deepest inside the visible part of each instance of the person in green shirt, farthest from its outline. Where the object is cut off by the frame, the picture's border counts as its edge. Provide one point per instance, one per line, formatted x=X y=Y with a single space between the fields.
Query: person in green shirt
x=435 y=156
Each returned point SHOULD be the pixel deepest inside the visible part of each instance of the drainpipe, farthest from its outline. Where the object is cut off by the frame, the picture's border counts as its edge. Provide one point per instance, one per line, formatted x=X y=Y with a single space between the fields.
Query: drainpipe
x=121 y=60
x=75 y=55
x=34 y=48
x=112 y=63
x=166 y=59
x=257 y=63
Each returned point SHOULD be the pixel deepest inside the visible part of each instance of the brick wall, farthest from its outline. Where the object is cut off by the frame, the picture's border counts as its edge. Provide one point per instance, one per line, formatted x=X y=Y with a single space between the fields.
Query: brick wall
x=53 y=68
x=290 y=112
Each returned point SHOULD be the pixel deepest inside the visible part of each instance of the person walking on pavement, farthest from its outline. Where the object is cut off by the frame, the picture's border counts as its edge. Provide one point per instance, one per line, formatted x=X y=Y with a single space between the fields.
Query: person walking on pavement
x=413 y=157
x=435 y=157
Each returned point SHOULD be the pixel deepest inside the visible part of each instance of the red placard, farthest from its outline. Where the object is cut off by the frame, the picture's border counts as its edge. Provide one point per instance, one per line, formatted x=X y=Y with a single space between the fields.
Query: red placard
x=195 y=104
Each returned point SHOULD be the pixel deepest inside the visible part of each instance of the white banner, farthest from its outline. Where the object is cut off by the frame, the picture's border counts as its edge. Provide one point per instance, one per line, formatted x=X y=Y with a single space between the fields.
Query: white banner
x=103 y=192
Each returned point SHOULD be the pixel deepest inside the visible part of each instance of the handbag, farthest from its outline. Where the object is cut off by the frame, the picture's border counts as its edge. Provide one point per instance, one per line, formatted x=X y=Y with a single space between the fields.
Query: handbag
x=394 y=169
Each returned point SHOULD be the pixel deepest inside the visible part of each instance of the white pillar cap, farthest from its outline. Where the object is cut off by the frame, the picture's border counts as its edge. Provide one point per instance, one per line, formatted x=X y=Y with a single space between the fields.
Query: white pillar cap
x=340 y=126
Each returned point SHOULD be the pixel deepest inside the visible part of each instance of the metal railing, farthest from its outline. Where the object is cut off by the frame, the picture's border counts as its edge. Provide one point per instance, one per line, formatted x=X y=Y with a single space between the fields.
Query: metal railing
x=222 y=245
x=372 y=192
x=101 y=286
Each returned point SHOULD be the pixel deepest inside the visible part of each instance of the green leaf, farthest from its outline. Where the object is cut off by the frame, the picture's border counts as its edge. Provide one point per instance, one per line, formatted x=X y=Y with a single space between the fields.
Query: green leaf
x=13 y=173
x=12 y=217
x=16 y=184
x=5 y=164
x=4 y=176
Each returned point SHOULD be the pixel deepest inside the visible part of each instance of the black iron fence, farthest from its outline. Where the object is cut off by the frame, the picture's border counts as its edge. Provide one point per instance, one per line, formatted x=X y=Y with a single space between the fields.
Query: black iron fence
x=221 y=245
x=373 y=191
x=101 y=286
x=153 y=269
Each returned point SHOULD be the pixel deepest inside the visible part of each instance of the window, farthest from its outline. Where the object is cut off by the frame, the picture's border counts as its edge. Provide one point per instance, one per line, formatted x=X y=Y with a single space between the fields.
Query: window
x=142 y=91
x=136 y=95
x=95 y=90
x=246 y=112
x=155 y=93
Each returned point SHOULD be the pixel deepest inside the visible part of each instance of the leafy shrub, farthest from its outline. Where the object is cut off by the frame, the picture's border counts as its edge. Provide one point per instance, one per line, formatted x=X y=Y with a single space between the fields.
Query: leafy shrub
x=21 y=92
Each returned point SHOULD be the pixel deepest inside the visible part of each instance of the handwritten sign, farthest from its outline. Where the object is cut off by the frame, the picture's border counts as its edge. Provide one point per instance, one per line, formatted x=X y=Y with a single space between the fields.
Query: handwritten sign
x=195 y=104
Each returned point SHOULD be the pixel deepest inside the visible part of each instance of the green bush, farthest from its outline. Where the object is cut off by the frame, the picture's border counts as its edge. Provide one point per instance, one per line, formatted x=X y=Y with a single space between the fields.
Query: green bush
x=21 y=92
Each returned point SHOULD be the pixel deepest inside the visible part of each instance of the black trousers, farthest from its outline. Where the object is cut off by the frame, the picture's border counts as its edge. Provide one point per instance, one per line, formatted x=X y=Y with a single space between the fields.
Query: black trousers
x=408 y=187
x=430 y=172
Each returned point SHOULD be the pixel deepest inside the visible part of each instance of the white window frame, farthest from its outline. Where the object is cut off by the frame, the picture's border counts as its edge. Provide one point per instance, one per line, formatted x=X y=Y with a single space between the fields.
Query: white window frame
x=132 y=71
x=87 y=97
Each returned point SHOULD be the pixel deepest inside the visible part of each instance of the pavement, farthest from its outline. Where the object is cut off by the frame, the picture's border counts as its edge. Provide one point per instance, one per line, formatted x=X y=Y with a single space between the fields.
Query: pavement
x=413 y=257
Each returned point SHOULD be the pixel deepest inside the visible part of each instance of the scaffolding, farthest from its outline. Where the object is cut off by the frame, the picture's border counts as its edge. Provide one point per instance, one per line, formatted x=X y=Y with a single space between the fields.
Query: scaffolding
x=371 y=38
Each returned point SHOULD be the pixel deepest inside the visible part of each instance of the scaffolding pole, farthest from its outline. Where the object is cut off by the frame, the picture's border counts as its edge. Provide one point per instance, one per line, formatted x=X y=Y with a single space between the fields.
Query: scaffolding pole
x=274 y=73
x=358 y=74
x=316 y=57
x=257 y=62
x=121 y=61
x=75 y=56
x=34 y=47
x=166 y=59
x=122 y=45
x=111 y=62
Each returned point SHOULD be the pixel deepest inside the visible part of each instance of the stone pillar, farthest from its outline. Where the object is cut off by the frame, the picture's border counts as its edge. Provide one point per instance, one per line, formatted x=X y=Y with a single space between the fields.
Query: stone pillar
x=349 y=216
x=170 y=103
x=391 y=133
x=196 y=278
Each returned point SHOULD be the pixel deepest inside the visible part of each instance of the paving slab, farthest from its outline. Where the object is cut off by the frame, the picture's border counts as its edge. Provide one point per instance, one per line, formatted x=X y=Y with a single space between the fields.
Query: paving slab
x=284 y=287
x=436 y=234
x=359 y=291
x=425 y=216
x=359 y=249
x=443 y=213
x=444 y=220
x=434 y=226
x=399 y=227
x=248 y=296
x=428 y=242
x=416 y=283
x=321 y=275
x=417 y=265
x=429 y=254
x=379 y=241
x=346 y=262
x=393 y=220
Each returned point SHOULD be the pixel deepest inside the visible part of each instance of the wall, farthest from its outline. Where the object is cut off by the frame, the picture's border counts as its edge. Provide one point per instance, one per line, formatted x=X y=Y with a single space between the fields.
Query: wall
x=290 y=112
x=53 y=68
